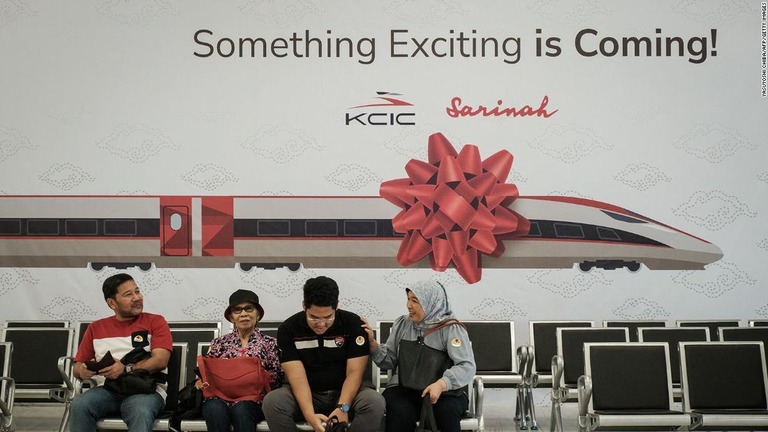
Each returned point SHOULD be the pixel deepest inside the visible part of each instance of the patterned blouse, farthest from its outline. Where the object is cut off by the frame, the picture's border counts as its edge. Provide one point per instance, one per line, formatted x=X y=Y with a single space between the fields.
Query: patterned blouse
x=259 y=345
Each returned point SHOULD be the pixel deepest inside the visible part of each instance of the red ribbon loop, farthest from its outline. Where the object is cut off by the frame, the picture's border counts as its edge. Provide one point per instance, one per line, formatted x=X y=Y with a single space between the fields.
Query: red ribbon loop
x=454 y=207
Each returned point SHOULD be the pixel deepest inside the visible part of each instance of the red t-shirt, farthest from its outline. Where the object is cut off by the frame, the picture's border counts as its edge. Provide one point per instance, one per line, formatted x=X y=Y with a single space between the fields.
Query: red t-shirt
x=149 y=331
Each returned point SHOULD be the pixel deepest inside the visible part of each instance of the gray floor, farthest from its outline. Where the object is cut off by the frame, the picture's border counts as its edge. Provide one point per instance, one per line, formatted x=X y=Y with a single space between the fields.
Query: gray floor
x=499 y=412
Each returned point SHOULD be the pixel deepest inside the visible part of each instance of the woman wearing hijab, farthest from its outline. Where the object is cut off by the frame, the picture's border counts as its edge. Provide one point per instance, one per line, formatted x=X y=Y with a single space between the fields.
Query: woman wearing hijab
x=428 y=306
x=245 y=340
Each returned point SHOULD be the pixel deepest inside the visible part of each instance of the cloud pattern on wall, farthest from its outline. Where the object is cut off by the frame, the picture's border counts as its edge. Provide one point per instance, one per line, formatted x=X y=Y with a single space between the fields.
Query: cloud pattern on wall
x=568 y=12
x=281 y=144
x=353 y=177
x=12 y=10
x=67 y=309
x=709 y=12
x=429 y=12
x=641 y=176
x=713 y=210
x=762 y=310
x=401 y=278
x=763 y=177
x=65 y=176
x=205 y=308
x=497 y=308
x=159 y=279
x=763 y=244
x=567 y=283
x=136 y=143
x=570 y=143
x=360 y=306
x=291 y=284
x=12 y=142
x=12 y=278
x=279 y=12
x=719 y=278
x=713 y=142
x=639 y=308
x=409 y=141
x=209 y=176
x=137 y=13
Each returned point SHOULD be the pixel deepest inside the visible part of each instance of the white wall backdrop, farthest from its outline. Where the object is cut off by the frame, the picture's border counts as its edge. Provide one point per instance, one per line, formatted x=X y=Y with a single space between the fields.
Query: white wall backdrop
x=109 y=98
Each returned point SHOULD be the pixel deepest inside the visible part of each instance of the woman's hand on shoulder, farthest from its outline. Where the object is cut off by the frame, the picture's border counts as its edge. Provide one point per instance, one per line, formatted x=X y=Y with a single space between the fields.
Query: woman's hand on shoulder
x=371 y=337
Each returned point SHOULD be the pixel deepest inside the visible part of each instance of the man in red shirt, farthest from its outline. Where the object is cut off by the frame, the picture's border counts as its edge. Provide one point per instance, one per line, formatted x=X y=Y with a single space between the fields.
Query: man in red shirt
x=130 y=328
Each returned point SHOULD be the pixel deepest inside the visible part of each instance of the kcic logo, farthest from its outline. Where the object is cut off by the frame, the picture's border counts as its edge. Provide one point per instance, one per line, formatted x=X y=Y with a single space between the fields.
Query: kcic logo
x=389 y=112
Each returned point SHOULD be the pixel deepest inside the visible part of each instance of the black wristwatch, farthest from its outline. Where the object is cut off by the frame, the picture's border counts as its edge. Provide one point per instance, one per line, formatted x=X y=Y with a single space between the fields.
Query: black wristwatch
x=343 y=407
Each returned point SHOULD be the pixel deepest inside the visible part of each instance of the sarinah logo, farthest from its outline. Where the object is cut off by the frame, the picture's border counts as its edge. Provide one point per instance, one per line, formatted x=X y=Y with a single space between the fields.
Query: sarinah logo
x=458 y=108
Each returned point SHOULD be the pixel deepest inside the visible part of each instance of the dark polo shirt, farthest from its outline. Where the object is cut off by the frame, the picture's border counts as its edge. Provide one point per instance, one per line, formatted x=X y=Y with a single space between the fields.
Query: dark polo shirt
x=324 y=356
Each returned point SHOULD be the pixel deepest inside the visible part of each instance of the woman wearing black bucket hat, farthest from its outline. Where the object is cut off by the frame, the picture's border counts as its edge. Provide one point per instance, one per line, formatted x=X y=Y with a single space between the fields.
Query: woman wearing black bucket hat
x=245 y=340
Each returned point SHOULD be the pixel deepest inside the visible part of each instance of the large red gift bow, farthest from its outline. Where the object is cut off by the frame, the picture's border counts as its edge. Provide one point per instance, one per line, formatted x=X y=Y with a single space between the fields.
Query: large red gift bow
x=454 y=207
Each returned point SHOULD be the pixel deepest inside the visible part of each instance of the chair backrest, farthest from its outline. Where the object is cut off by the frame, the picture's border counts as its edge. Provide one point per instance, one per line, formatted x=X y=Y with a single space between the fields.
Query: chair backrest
x=633 y=325
x=269 y=324
x=744 y=334
x=758 y=323
x=195 y=325
x=193 y=337
x=80 y=328
x=493 y=343
x=177 y=377
x=723 y=375
x=673 y=336
x=385 y=327
x=629 y=376
x=202 y=349
x=36 y=352
x=6 y=348
x=543 y=337
x=570 y=346
x=36 y=323
x=712 y=325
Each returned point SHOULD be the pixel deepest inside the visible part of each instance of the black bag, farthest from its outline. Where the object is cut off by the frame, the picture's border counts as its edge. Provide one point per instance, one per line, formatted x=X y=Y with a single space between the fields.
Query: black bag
x=427 y=422
x=138 y=380
x=334 y=425
x=190 y=406
x=420 y=365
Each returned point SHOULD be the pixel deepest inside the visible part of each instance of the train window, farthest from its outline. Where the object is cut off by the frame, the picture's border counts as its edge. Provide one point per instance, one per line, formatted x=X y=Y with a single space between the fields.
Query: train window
x=607 y=234
x=114 y=227
x=175 y=222
x=566 y=230
x=74 y=227
x=623 y=218
x=321 y=228
x=535 y=230
x=43 y=227
x=360 y=228
x=10 y=227
x=273 y=228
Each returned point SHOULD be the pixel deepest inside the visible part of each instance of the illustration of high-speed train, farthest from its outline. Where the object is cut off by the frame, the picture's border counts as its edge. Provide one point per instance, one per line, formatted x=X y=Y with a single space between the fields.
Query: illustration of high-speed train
x=316 y=232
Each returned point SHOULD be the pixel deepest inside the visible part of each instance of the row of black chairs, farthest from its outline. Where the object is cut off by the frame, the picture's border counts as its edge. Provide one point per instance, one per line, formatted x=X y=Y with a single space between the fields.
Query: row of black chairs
x=568 y=365
x=501 y=363
x=629 y=386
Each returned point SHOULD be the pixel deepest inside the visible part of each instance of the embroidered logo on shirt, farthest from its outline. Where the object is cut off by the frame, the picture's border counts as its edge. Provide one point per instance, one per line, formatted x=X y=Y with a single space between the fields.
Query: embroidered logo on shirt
x=359 y=340
x=456 y=342
x=339 y=341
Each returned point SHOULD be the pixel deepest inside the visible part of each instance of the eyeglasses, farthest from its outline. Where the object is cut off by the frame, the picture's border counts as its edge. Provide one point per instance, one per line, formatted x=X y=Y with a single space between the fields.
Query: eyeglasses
x=325 y=321
x=247 y=309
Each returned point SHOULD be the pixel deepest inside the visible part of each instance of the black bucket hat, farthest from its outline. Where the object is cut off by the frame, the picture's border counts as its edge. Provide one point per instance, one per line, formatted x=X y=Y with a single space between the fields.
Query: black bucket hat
x=243 y=296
